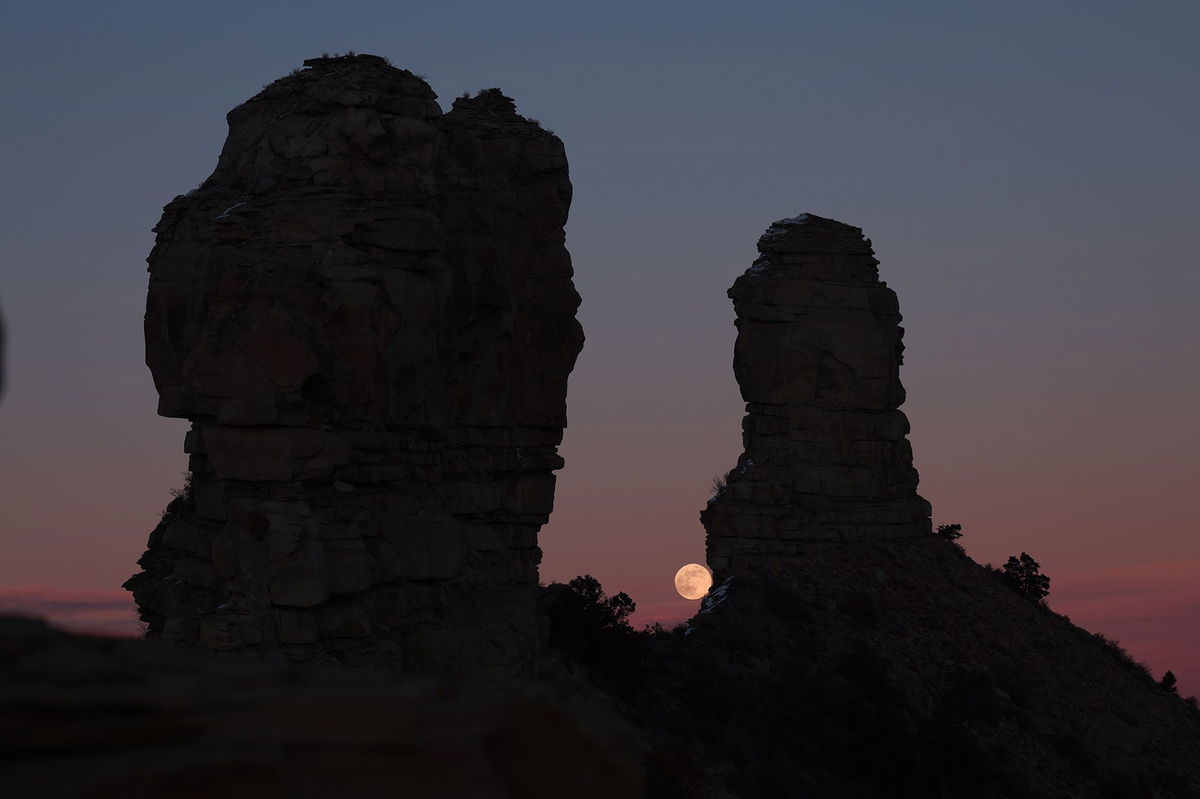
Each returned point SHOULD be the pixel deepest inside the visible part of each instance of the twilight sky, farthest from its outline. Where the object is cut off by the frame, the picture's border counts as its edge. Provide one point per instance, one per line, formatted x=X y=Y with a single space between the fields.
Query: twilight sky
x=1027 y=171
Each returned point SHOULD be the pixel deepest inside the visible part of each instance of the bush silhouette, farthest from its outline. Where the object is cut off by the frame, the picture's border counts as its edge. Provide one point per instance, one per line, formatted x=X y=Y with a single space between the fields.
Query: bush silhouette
x=1024 y=576
x=1117 y=652
x=950 y=532
x=1169 y=681
x=184 y=493
x=593 y=629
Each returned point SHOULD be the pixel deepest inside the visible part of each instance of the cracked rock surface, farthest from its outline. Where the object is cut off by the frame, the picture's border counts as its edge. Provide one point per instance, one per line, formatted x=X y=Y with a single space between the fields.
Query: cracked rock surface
x=368 y=316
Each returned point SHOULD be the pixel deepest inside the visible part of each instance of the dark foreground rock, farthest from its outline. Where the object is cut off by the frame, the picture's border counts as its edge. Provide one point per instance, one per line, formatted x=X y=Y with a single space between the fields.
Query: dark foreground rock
x=89 y=717
x=367 y=314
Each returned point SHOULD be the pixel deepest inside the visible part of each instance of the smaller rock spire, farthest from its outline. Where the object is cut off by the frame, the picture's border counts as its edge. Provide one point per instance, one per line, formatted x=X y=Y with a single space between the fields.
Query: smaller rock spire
x=817 y=360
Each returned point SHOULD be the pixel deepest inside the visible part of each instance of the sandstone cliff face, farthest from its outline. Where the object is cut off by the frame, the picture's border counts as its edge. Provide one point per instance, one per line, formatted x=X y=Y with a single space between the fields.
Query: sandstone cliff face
x=817 y=359
x=367 y=313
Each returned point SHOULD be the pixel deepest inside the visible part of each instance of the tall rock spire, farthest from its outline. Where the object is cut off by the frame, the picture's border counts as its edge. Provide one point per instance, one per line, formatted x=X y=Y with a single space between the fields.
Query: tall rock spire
x=367 y=313
x=817 y=359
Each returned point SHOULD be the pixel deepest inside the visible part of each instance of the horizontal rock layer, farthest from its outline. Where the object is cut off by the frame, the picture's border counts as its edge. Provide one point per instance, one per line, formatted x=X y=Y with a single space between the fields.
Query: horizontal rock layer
x=368 y=315
x=817 y=359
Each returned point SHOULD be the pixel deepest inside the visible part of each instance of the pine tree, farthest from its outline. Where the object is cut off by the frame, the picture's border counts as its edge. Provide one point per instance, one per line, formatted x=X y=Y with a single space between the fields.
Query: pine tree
x=1024 y=575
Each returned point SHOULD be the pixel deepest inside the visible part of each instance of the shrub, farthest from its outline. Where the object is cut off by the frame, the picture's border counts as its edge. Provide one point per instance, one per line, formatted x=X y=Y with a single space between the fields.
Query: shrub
x=1168 y=682
x=657 y=630
x=184 y=493
x=719 y=482
x=593 y=629
x=1024 y=576
x=181 y=498
x=1123 y=658
x=950 y=532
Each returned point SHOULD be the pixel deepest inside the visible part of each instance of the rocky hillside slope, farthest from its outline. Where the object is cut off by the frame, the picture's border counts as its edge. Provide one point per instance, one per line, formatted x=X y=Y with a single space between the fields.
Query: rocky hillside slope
x=902 y=669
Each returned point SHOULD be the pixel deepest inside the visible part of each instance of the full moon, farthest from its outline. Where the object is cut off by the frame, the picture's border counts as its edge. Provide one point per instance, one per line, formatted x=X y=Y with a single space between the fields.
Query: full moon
x=693 y=581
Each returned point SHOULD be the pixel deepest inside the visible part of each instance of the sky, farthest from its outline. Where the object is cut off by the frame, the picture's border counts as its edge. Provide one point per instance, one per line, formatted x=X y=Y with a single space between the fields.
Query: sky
x=1027 y=172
